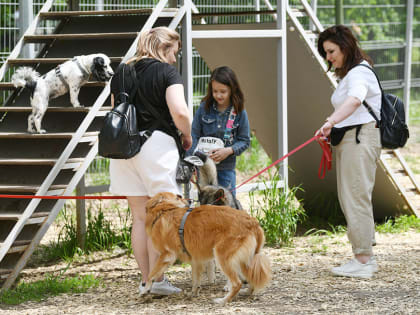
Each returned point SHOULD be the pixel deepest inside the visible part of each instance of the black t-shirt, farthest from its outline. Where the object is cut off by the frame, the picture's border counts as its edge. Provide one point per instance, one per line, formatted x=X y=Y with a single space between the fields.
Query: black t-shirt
x=154 y=78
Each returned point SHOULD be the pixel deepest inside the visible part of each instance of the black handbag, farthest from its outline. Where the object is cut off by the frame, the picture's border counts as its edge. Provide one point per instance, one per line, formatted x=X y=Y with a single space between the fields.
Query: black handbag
x=119 y=137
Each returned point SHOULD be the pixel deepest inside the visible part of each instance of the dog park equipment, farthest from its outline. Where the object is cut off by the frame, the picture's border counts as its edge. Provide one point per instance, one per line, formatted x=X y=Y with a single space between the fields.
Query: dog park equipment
x=53 y=163
x=309 y=88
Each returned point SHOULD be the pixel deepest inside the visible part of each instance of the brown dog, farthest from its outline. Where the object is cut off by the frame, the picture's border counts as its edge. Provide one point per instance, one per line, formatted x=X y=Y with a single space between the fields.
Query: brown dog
x=233 y=238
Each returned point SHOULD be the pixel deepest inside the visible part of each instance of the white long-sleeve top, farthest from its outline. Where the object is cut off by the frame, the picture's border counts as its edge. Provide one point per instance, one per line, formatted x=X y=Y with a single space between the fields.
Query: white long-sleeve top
x=361 y=83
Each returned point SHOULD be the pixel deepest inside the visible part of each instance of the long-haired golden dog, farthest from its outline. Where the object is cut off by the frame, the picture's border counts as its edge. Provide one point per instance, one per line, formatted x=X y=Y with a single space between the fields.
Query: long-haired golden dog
x=233 y=238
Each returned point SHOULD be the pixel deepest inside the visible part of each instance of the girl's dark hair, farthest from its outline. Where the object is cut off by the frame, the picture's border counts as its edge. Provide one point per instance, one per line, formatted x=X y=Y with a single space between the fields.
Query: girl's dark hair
x=344 y=38
x=226 y=76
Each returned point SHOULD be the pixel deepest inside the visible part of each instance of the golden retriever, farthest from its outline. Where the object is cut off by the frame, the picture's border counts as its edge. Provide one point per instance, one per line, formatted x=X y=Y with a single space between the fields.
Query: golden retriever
x=233 y=238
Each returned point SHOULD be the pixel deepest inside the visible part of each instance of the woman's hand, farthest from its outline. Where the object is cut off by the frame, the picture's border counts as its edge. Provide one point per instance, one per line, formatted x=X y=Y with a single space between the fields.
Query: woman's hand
x=221 y=154
x=186 y=141
x=325 y=130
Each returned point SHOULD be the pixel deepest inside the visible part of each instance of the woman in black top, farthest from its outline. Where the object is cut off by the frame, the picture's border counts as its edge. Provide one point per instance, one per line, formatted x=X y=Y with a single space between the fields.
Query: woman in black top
x=153 y=169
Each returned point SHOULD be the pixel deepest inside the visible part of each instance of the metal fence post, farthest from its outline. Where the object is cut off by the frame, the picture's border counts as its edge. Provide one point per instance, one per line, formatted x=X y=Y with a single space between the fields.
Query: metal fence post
x=81 y=213
x=282 y=136
x=339 y=12
x=26 y=15
x=408 y=56
x=73 y=5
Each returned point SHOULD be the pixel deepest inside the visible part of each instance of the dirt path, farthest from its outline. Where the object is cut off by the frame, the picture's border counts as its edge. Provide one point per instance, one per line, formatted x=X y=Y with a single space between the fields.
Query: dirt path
x=301 y=284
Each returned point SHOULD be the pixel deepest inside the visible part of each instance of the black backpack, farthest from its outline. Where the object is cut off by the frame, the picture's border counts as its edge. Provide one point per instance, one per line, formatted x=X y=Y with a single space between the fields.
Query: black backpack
x=119 y=137
x=394 y=130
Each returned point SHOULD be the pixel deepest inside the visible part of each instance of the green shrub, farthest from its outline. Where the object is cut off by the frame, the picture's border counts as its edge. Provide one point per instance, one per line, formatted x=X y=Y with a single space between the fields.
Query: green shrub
x=101 y=234
x=278 y=212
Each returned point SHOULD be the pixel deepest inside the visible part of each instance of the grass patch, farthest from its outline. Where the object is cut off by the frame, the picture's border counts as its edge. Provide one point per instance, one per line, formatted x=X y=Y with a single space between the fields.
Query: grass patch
x=399 y=224
x=253 y=158
x=278 y=212
x=50 y=286
x=101 y=234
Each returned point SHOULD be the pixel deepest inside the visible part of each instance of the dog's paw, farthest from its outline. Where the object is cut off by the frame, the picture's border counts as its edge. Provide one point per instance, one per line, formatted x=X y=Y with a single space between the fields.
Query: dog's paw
x=195 y=291
x=220 y=301
x=42 y=131
x=78 y=105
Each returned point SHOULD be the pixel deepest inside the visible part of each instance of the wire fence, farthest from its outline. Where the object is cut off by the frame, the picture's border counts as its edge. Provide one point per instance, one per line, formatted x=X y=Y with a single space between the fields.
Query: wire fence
x=381 y=33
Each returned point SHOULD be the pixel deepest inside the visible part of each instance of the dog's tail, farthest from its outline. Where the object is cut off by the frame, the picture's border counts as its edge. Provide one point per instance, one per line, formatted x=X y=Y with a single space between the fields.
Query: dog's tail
x=258 y=272
x=25 y=77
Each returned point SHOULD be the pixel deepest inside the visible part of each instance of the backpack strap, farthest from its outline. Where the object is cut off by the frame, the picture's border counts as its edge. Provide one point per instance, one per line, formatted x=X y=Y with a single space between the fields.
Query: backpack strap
x=368 y=107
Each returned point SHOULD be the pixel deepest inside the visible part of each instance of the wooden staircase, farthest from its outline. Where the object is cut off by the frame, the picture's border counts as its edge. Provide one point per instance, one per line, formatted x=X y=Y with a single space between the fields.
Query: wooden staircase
x=53 y=163
x=391 y=161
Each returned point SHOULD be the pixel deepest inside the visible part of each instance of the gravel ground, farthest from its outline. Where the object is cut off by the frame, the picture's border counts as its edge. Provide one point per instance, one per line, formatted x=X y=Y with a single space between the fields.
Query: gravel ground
x=302 y=283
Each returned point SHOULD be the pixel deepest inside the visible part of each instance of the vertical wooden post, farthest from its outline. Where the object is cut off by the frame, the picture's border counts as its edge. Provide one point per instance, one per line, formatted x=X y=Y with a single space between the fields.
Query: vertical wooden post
x=81 y=213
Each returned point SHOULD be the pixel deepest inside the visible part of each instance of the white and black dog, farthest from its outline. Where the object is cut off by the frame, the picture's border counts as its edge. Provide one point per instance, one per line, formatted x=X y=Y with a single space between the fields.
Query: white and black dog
x=67 y=77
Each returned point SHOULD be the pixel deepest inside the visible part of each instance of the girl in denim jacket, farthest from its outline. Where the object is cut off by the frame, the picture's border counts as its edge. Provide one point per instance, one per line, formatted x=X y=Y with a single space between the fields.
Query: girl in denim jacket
x=222 y=115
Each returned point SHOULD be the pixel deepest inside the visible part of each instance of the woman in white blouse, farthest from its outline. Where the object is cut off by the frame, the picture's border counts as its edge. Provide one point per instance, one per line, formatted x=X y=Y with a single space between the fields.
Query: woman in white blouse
x=359 y=149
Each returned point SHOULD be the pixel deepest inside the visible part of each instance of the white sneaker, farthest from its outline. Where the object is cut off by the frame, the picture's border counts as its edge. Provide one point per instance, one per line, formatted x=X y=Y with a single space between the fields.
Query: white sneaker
x=164 y=287
x=356 y=269
x=372 y=261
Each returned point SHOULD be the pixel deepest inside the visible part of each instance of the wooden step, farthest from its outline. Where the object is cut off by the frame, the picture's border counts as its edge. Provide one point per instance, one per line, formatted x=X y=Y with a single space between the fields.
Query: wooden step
x=299 y=12
x=71 y=109
x=27 y=188
x=15 y=216
x=33 y=61
x=4 y=273
x=10 y=86
x=237 y=13
x=36 y=161
x=85 y=36
x=64 y=14
x=58 y=135
x=18 y=246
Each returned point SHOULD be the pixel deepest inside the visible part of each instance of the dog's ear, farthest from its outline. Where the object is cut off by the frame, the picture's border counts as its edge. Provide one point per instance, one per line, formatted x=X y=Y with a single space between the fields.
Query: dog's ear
x=98 y=62
x=154 y=201
x=220 y=194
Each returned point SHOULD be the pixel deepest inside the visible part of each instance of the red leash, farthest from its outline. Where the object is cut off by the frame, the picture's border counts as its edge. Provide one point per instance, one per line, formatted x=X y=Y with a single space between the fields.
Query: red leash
x=325 y=164
x=60 y=197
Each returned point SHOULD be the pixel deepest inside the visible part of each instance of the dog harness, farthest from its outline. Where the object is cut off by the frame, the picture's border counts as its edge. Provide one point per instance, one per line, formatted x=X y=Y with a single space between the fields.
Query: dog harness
x=61 y=77
x=181 y=229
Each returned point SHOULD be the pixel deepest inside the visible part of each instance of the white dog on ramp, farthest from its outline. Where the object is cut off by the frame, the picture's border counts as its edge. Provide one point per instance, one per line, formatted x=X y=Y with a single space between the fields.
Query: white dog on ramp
x=67 y=77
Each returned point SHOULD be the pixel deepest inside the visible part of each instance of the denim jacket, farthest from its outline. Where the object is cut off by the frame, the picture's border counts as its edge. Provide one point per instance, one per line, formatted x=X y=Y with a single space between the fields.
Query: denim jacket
x=213 y=124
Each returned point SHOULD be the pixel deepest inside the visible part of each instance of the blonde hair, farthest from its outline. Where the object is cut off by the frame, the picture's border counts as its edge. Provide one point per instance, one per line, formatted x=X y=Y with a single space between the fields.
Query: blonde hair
x=155 y=43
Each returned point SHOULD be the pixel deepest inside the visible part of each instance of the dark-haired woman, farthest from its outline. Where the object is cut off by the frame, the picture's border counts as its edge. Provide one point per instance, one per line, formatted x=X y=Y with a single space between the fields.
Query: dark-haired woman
x=220 y=126
x=359 y=149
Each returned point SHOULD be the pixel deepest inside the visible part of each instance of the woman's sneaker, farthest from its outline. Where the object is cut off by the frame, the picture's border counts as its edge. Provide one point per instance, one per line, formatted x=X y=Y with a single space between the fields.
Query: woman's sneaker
x=356 y=269
x=163 y=287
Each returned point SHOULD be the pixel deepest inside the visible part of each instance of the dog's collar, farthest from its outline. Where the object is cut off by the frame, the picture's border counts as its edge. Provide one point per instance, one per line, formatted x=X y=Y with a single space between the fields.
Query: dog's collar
x=85 y=73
